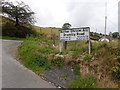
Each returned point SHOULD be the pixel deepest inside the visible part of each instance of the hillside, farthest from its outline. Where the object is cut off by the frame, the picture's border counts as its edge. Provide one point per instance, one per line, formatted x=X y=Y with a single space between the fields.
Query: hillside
x=20 y=31
x=102 y=64
x=49 y=32
x=6 y=22
x=73 y=67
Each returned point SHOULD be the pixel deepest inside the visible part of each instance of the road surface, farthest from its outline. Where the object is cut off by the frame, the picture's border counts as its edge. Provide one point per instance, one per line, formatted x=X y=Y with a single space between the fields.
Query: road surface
x=15 y=75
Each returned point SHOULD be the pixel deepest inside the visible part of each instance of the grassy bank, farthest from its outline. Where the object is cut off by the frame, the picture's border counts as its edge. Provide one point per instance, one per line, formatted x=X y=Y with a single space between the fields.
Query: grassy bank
x=84 y=82
x=38 y=54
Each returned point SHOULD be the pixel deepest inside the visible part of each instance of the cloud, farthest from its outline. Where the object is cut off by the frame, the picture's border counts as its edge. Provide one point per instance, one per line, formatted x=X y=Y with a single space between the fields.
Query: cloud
x=54 y=13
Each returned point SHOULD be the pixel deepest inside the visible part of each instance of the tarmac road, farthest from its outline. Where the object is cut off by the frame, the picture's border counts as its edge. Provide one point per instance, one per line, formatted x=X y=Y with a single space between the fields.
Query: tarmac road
x=15 y=75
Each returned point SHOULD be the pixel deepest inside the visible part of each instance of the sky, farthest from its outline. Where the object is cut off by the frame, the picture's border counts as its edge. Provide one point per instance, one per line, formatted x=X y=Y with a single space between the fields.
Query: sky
x=79 y=13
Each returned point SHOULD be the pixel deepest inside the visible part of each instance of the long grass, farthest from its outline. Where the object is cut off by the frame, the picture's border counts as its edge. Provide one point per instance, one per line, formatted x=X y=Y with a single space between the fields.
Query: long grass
x=84 y=82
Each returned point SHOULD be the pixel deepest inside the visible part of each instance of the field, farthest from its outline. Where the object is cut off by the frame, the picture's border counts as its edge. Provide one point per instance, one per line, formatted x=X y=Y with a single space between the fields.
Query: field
x=46 y=30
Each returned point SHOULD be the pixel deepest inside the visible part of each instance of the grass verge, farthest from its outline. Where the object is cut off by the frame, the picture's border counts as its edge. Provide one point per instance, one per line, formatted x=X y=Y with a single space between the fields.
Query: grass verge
x=84 y=82
x=36 y=54
x=11 y=38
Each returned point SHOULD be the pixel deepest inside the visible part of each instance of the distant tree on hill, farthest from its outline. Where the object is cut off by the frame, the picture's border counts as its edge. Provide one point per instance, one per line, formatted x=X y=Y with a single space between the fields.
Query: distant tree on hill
x=115 y=34
x=110 y=34
x=66 y=26
x=100 y=33
x=19 y=13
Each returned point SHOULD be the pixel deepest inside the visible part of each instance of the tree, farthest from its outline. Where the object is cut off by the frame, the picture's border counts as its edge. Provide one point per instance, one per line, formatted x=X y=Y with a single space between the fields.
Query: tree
x=19 y=13
x=66 y=26
x=115 y=34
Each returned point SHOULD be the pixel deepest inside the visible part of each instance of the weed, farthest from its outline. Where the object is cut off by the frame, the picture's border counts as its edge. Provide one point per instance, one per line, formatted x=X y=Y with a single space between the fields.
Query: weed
x=76 y=69
x=64 y=76
x=57 y=61
x=84 y=82
x=116 y=70
x=46 y=50
x=88 y=58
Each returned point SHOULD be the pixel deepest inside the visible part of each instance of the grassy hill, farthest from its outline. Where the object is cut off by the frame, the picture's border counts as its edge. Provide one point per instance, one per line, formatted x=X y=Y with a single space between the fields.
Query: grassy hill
x=9 y=29
x=21 y=31
x=100 y=69
x=103 y=63
x=46 y=30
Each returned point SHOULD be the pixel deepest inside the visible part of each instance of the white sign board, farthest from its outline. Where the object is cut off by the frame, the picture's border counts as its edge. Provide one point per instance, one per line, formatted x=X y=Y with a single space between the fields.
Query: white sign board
x=74 y=34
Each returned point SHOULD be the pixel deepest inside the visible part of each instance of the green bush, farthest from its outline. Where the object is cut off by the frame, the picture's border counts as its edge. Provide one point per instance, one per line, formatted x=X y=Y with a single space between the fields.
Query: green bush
x=8 y=29
x=75 y=54
x=46 y=50
x=116 y=51
x=96 y=47
x=40 y=60
x=116 y=70
x=84 y=82
x=88 y=58
x=57 y=61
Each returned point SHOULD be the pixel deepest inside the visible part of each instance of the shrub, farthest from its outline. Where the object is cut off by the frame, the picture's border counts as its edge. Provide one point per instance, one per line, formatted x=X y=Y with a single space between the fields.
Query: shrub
x=57 y=61
x=84 y=82
x=40 y=60
x=96 y=47
x=75 y=55
x=116 y=70
x=46 y=50
x=116 y=51
x=8 y=29
x=88 y=58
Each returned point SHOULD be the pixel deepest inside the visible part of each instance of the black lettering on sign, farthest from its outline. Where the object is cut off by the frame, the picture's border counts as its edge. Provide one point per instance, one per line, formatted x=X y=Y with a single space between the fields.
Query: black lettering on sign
x=80 y=33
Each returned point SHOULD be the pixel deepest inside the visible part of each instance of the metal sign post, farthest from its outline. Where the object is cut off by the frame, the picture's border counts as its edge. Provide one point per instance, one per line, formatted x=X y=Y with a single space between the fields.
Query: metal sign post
x=60 y=47
x=89 y=45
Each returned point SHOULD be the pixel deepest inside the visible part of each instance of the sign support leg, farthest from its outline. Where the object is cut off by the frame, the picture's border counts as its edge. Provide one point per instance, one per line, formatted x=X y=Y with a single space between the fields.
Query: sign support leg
x=60 y=47
x=65 y=45
x=89 y=46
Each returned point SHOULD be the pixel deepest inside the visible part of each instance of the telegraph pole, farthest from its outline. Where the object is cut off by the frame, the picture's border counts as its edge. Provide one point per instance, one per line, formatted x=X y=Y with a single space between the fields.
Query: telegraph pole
x=105 y=17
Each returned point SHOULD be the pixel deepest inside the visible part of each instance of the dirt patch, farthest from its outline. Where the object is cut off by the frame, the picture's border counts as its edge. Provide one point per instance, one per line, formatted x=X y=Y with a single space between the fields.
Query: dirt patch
x=60 y=76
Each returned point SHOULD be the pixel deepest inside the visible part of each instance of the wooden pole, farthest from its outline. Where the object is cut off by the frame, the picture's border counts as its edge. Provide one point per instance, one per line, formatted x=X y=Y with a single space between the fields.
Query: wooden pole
x=54 y=38
x=65 y=45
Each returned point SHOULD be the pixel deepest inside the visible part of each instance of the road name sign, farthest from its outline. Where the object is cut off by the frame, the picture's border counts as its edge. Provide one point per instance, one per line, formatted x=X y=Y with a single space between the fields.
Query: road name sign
x=74 y=34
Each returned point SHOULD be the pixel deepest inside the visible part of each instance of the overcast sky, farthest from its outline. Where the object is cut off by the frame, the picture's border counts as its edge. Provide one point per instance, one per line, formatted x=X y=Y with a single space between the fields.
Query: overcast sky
x=79 y=13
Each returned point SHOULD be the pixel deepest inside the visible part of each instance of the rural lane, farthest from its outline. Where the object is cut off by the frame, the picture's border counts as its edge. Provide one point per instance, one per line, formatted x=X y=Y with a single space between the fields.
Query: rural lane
x=15 y=75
